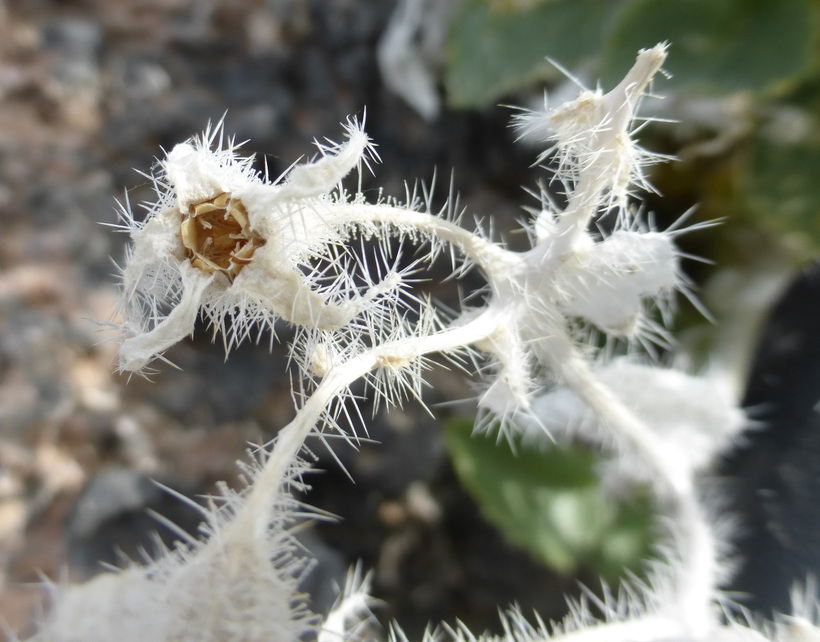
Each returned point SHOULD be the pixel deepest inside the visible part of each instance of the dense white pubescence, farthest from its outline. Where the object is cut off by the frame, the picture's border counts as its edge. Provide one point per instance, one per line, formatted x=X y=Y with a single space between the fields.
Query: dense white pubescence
x=539 y=368
x=572 y=273
x=695 y=417
x=351 y=618
x=239 y=583
x=163 y=292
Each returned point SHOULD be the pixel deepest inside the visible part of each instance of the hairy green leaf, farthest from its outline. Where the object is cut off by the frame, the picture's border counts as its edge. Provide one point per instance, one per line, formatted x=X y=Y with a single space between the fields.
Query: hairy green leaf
x=549 y=503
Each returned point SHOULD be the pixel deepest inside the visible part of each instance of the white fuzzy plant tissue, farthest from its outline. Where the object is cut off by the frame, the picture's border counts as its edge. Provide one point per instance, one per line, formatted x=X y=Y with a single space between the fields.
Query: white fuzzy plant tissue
x=224 y=242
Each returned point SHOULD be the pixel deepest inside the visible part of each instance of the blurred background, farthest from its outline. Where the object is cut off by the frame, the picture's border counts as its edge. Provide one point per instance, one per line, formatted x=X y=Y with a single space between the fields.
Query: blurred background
x=91 y=89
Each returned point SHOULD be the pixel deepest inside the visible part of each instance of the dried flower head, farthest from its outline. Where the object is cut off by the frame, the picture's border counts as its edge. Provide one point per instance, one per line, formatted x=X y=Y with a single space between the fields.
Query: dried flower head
x=217 y=235
x=224 y=241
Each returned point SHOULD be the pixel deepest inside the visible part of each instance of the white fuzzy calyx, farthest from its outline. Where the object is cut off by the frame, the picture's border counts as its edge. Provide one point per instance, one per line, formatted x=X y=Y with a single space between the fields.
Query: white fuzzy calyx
x=222 y=240
x=606 y=285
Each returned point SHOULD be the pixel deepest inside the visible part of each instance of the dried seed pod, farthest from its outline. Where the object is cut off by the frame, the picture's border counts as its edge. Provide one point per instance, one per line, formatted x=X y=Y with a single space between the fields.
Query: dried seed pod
x=217 y=236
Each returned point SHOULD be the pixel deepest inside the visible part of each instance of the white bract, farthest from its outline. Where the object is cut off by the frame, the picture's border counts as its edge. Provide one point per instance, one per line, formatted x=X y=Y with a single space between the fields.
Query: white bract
x=221 y=240
x=244 y=251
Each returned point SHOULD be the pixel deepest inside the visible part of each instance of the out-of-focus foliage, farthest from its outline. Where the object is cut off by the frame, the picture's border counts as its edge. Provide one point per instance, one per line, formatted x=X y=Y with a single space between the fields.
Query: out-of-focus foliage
x=550 y=503
x=495 y=50
x=732 y=45
x=724 y=46
x=781 y=189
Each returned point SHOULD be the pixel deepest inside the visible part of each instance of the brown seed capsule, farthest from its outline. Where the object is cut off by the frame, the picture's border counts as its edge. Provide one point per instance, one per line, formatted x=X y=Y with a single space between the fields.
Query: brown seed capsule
x=217 y=236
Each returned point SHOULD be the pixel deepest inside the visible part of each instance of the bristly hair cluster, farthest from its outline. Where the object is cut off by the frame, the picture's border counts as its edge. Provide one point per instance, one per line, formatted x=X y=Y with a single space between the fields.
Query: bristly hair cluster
x=245 y=251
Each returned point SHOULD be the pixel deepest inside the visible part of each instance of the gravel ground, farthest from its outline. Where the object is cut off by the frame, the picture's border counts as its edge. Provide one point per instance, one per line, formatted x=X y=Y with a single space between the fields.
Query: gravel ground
x=90 y=89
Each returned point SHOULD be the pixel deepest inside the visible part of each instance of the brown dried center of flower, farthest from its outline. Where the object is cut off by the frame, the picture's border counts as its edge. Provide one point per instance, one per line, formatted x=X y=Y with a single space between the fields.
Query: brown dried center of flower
x=217 y=236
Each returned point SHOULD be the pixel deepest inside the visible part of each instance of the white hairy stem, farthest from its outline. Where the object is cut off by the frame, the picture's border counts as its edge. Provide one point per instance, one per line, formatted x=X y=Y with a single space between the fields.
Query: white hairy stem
x=290 y=440
x=489 y=256
x=695 y=580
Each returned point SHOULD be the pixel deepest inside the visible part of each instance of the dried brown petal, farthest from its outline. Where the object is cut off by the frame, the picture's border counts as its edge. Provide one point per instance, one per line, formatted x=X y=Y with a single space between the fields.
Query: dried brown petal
x=217 y=236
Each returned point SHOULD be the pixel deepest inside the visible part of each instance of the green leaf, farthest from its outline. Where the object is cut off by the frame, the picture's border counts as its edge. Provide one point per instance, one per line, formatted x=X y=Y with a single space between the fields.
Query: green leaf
x=493 y=51
x=717 y=45
x=549 y=503
x=781 y=190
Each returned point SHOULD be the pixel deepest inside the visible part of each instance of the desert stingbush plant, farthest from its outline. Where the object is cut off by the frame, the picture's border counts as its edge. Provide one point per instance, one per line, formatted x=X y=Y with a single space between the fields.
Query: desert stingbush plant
x=245 y=251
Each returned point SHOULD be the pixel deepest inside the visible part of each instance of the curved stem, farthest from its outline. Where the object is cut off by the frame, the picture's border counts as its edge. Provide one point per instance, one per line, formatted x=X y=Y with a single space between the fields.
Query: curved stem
x=696 y=578
x=290 y=440
x=494 y=260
